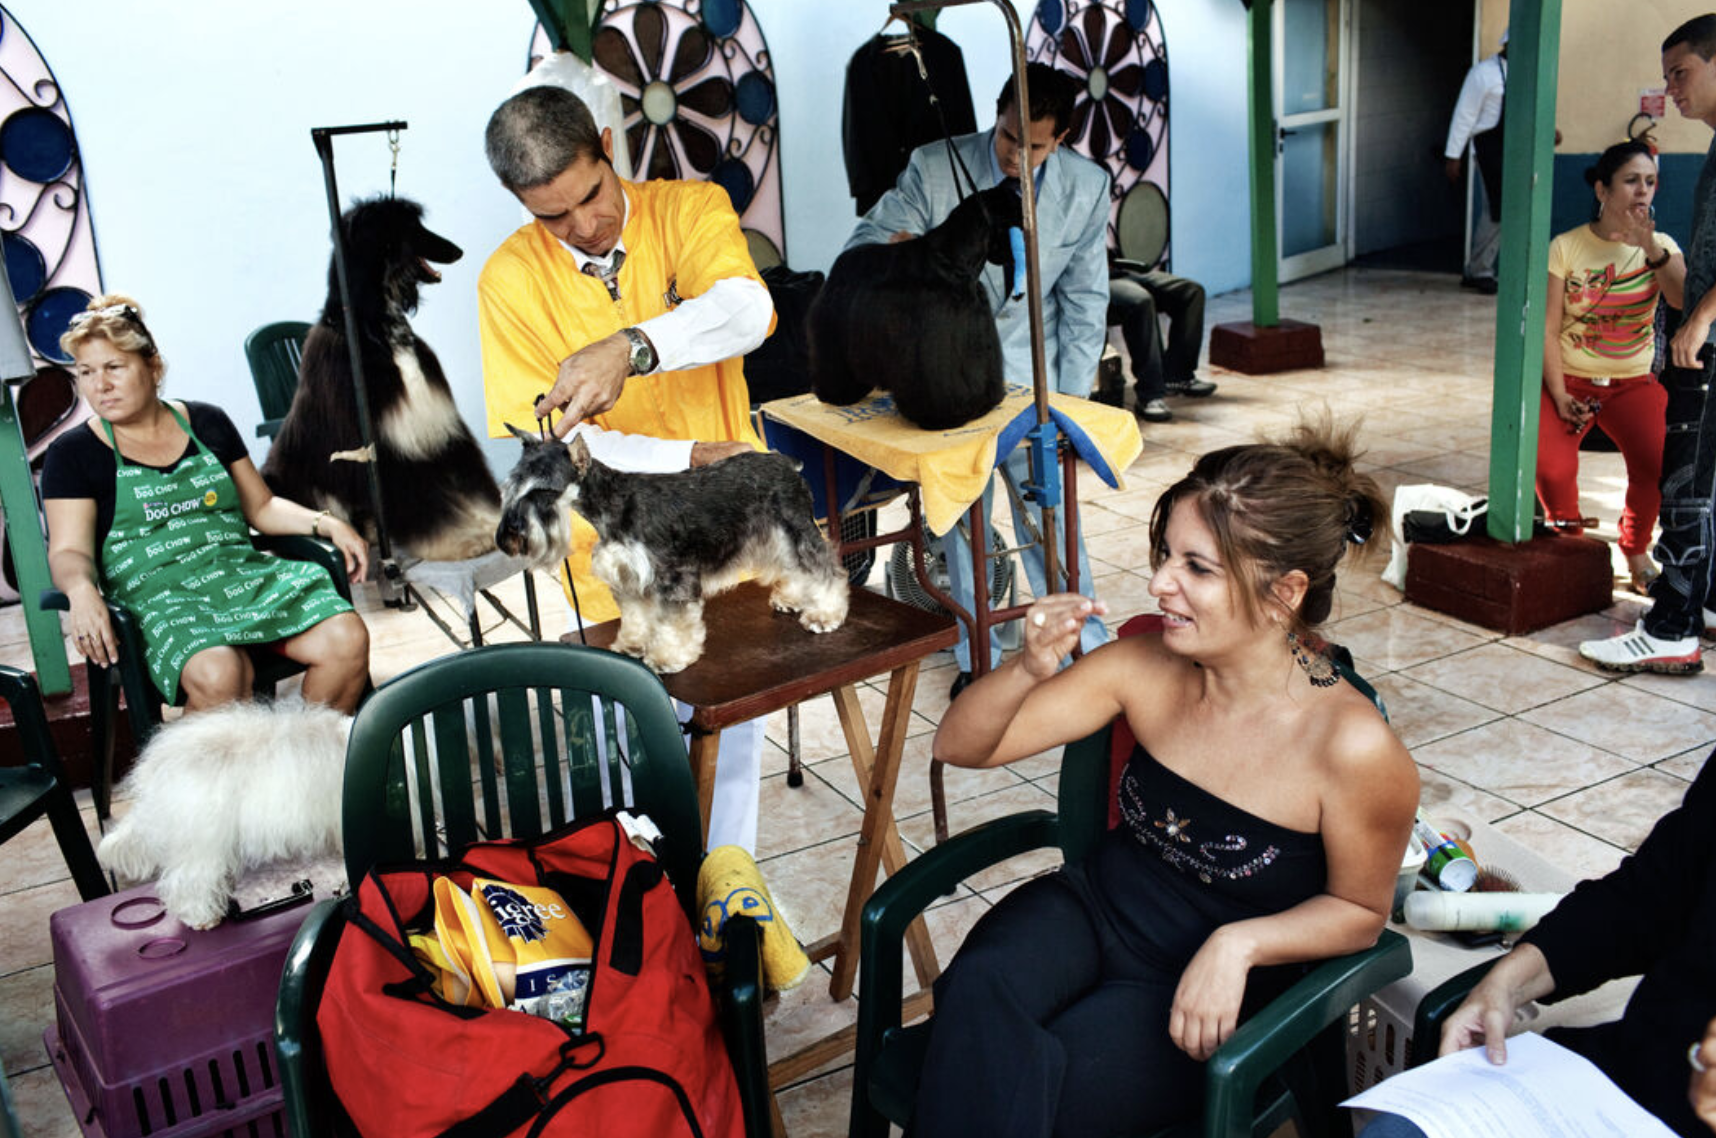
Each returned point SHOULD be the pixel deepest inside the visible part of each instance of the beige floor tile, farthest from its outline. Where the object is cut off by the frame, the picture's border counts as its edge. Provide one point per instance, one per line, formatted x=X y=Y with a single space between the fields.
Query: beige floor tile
x=1438 y=793
x=1388 y=640
x=790 y=817
x=1685 y=766
x=820 y=1108
x=1636 y=724
x=1420 y=713
x=24 y=939
x=1503 y=677
x=810 y=885
x=1623 y=810
x=43 y=1111
x=912 y=790
x=26 y=1006
x=919 y=831
x=34 y=857
x=1520 y=762
x=1573 y=850
x=1126 y=549
x=1697 y=690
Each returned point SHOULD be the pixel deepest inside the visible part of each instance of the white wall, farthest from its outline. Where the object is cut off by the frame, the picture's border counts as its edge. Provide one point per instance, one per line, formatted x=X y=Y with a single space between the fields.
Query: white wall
x=207 y=197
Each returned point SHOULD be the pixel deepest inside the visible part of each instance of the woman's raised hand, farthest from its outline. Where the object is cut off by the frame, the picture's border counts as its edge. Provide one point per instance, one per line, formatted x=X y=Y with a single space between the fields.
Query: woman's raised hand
x=1052 y=628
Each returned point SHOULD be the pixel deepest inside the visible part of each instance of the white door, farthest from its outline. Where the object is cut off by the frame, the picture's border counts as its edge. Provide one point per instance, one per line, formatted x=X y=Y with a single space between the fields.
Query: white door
x=1311 y=112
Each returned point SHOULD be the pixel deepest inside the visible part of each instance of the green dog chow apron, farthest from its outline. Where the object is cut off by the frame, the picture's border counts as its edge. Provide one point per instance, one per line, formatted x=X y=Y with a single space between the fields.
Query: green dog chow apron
x=179 y=557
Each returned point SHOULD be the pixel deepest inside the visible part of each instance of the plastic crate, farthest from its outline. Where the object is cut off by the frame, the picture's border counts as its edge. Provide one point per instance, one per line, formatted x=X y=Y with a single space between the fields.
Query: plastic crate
x=1379 y=1039
x=162 y=1031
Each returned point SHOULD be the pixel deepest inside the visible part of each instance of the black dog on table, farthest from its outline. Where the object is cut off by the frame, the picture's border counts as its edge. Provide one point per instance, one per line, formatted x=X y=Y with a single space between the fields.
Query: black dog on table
x=913 y=318
x=440 y=499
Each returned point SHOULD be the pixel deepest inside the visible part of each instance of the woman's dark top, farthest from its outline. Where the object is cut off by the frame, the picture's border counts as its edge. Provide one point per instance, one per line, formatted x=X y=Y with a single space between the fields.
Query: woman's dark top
x=1655 y=915
x=80 y=465
x=1183 y=862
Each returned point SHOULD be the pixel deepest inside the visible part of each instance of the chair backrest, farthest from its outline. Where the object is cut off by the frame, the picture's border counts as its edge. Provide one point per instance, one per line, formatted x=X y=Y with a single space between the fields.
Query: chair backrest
x=514 y=740
x=274 y=352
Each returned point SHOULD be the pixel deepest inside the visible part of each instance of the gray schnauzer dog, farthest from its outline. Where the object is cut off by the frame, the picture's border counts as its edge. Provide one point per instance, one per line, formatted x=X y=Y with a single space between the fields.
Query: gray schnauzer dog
x=666 y=541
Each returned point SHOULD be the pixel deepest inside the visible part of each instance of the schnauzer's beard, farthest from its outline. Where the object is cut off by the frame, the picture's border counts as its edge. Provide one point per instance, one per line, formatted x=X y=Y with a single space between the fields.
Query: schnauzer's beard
x=537 y=527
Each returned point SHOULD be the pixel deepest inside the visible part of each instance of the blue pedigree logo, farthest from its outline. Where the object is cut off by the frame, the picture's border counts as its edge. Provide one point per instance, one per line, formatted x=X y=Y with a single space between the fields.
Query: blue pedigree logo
x=519 y=919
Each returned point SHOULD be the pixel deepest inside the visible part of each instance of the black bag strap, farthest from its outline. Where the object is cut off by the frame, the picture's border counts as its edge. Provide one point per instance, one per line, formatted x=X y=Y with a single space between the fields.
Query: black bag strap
x=526 y=1097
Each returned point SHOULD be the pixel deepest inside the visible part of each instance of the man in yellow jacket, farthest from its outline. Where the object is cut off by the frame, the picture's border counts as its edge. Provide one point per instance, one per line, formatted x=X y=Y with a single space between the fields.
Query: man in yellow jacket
x=627 y=307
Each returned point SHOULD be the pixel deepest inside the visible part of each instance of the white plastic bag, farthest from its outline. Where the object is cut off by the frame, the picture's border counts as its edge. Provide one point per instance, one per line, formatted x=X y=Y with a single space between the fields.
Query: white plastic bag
x=1459 y=507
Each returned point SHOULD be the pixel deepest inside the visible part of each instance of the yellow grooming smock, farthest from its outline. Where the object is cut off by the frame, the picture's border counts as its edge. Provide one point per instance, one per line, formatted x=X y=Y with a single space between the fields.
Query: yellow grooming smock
x=535 y=308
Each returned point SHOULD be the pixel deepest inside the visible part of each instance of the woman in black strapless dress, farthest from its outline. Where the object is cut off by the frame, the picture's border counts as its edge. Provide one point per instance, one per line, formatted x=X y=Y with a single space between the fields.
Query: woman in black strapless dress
x=1263 y=813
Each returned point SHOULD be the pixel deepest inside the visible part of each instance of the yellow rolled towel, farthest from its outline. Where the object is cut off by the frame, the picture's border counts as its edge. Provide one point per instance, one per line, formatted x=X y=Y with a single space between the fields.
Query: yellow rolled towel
x=729 y=884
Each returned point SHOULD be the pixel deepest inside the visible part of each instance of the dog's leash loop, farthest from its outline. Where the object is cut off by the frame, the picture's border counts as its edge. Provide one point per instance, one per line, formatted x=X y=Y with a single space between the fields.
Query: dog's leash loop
x=544 y=425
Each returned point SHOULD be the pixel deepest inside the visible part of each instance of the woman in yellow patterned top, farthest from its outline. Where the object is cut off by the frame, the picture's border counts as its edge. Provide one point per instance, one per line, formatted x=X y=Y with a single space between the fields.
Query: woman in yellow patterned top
x=1605 y=280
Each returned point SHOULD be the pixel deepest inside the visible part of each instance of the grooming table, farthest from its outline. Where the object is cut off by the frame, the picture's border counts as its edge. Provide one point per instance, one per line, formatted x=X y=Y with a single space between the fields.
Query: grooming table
x=462 y=582
x=762 y=661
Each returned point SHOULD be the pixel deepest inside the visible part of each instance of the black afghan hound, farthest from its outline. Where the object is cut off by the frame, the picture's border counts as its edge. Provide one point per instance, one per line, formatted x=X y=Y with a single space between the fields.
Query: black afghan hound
x=438 y=494
x=913 y=318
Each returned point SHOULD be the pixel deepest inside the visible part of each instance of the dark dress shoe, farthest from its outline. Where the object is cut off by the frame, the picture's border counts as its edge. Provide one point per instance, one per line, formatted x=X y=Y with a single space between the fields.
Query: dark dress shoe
x=960 y=683
x=1486 y=286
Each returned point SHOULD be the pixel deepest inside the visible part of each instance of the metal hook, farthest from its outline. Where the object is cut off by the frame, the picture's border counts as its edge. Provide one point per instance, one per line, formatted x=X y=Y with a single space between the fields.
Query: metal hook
x=393 y=170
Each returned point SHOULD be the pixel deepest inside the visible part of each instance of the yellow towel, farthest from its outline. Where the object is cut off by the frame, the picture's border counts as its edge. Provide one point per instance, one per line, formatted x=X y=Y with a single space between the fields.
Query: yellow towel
x=952 y=467
x=729 y=884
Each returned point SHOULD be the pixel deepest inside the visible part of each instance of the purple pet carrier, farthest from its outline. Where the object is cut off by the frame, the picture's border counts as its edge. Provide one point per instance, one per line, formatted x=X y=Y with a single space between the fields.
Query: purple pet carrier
x=163 y=1031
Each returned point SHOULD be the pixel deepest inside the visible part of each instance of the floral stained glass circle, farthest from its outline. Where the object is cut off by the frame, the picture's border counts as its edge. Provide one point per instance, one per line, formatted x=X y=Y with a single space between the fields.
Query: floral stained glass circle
x=45 y=234
x=1116 y=50
x=698 y=92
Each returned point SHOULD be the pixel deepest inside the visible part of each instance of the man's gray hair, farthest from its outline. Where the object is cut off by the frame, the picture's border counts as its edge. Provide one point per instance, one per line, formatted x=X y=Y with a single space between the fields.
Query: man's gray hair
x=535 y=135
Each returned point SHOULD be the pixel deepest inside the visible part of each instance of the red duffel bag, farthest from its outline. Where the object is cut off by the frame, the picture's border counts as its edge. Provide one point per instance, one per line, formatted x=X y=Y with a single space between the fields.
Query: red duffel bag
x=649 y=1062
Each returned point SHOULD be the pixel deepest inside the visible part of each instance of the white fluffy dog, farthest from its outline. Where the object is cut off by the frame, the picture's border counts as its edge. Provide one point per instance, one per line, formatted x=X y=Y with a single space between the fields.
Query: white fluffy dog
x=224 y=791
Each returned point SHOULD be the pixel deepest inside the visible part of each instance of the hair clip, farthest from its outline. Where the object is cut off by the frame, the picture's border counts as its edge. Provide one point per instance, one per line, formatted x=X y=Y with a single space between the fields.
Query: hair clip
x=1358 y=524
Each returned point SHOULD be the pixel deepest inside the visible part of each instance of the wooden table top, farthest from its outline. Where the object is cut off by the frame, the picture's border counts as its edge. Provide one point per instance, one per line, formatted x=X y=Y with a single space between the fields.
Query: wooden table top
x=756 y=660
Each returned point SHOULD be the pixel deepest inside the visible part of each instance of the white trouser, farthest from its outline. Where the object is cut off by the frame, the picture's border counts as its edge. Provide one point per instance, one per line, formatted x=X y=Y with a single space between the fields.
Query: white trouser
x=738 y=778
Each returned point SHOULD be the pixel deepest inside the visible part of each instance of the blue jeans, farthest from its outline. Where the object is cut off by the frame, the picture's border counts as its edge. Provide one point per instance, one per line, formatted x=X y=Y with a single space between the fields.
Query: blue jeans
x=1688 y=472
x=1018 y=469
x=1391 y=1126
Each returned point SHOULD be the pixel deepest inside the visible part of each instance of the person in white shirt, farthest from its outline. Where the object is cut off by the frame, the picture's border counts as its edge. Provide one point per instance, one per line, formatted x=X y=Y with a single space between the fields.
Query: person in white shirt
x=1477 y=125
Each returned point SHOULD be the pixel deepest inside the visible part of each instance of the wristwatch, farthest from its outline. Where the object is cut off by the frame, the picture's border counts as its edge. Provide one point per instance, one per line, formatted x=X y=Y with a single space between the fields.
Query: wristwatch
x=643 y=355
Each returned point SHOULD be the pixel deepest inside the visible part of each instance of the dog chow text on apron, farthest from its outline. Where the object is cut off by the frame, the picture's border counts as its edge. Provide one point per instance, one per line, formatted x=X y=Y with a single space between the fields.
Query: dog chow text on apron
x=179 y=557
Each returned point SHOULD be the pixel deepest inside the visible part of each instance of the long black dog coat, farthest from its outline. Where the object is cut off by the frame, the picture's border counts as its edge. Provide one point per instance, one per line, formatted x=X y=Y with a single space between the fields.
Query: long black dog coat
x=912 y=318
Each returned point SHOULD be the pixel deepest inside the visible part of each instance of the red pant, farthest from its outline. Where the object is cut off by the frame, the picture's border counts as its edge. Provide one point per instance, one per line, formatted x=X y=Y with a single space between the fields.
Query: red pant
x=1633 y=414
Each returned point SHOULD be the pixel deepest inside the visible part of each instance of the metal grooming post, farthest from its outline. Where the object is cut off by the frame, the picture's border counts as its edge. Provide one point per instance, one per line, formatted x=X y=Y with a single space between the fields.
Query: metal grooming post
x=18 y=496
x=1045 y=477
x=1044 y=485
x=390 y=574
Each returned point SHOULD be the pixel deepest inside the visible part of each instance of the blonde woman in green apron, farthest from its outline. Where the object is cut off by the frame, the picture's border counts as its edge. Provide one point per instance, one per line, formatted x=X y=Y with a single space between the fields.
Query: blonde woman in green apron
x=151 y=503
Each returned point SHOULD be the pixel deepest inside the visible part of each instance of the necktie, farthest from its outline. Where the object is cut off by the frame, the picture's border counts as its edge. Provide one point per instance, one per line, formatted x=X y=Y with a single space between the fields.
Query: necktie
x=609 y=274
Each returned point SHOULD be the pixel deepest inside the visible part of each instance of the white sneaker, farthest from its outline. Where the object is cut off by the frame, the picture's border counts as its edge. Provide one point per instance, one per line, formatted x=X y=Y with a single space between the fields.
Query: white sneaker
x=1639 y=651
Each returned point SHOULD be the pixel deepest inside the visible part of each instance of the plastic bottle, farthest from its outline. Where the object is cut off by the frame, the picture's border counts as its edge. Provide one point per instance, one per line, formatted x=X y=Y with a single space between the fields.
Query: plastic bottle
x=1478 y=912
x=1448 y=865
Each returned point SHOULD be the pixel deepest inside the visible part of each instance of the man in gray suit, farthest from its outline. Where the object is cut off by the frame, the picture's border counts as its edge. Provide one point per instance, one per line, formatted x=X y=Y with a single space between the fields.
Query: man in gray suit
x=1072 y=220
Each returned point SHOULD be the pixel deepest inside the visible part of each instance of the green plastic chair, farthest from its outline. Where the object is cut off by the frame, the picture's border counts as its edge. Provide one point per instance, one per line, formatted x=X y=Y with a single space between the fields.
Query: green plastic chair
x=130 y=676
x=40 y=786
x=1285 y=1063
x=274 y=352
x=449 y=753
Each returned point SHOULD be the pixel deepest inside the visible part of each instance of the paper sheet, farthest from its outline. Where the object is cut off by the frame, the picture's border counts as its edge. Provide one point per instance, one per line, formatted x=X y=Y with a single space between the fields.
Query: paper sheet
x=1542 y=1091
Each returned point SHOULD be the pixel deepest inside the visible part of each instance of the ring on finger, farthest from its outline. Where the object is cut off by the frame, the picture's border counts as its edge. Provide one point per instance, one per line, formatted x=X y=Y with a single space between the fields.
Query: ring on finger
x=1692 y=1058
